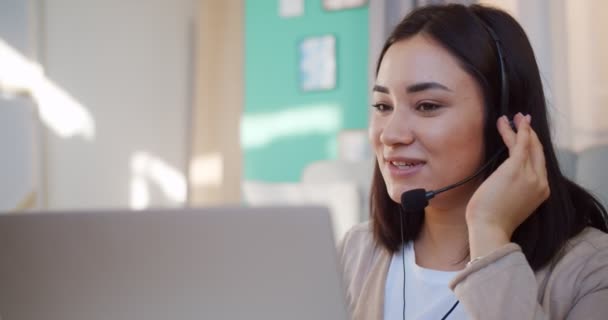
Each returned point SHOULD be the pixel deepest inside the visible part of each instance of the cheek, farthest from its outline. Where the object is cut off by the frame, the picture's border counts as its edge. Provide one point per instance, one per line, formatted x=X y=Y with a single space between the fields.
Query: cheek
x=456 y=145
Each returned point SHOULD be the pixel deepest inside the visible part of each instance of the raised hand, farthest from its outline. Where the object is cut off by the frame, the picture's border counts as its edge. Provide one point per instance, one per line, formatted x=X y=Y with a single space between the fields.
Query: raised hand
x=512 y=193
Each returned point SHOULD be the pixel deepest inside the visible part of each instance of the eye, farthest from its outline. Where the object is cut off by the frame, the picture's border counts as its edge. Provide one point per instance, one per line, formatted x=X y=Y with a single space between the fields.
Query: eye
x=381 y=107
x=427 y=107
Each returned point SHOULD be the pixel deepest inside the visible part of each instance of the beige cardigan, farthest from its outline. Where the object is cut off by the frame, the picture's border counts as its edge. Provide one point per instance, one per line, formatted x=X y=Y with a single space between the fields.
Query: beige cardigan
x=499 y=286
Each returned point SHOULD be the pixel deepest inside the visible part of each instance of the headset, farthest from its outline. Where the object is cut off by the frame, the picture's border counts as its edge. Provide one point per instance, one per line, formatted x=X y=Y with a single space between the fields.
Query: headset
x=414 y=201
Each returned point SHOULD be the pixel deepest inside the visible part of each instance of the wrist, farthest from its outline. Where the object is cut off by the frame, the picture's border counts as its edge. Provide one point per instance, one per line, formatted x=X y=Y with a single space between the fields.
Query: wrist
x=484 y=239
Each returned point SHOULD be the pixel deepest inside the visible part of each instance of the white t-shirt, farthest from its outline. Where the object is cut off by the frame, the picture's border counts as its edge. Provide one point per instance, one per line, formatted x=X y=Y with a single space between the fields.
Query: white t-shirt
x=427 y=295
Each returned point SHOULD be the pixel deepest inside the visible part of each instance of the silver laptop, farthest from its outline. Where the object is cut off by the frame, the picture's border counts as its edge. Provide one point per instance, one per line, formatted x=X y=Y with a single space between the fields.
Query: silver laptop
x=213 y=263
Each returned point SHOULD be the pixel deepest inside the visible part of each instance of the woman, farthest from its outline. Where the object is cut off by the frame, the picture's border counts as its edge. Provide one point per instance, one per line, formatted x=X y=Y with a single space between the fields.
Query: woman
x=519 y=241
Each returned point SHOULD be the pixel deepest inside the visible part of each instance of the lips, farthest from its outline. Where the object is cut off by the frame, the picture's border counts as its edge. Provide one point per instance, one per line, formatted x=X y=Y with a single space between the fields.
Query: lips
x=403 y=167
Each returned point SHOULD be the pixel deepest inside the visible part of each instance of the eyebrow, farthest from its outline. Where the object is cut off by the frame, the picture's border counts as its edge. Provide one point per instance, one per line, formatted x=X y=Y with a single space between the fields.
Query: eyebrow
x=417 y=87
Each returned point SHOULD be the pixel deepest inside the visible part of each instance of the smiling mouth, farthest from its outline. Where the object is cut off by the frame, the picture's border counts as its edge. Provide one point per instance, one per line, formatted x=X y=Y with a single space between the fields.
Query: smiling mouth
x=406 y=165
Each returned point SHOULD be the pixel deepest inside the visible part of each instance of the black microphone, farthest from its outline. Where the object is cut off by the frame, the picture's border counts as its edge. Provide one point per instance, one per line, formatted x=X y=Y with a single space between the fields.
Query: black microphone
x=417 y=199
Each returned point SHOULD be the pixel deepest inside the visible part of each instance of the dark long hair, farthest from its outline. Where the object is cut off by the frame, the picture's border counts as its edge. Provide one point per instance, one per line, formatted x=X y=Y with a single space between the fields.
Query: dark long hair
x=462 y=31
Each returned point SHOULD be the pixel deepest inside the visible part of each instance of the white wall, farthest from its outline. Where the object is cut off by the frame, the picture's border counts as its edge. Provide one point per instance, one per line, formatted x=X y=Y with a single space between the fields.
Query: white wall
x=14 y=23
x=128 y=64
x=569 y=42
x=588 y=71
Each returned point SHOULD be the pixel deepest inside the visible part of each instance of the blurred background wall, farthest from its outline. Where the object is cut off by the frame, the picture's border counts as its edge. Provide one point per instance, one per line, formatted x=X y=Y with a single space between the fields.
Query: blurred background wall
x=113 y=91
x=171 y=103
x=129 y=65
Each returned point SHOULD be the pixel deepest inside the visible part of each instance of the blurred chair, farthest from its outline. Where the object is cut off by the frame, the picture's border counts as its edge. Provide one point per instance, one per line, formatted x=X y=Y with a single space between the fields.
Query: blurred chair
x=342 y=199
x=358 y=173
x=592 y=171
x=342 y=186
x=18 y=142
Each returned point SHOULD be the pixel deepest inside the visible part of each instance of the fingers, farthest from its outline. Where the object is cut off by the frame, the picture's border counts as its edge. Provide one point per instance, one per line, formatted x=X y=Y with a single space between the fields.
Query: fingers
x=507 y=134
x=538 y=163
x=523 y=144
x=537 y=155
x=520 y=151
x=525 y=147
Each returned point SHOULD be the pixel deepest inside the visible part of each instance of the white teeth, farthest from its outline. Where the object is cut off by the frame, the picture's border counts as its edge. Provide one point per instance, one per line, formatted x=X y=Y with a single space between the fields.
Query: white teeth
x=403 y=164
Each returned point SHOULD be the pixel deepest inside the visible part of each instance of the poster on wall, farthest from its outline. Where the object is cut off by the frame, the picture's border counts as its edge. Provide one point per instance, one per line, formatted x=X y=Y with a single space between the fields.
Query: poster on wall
x=342 y=4
x=291 y=8
x=318 y=63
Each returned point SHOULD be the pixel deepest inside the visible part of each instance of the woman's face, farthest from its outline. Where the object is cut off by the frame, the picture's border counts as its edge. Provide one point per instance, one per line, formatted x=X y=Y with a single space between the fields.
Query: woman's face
x=426 y=127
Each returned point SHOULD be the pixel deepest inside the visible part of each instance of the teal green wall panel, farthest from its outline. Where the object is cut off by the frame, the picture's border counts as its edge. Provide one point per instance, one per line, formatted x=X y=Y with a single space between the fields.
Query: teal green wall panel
x=283 y=128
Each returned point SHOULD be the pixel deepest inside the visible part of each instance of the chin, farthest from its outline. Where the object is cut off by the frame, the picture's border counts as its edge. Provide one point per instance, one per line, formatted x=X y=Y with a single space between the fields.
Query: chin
x=396 y=197
x=395 y=194
x=396 y=188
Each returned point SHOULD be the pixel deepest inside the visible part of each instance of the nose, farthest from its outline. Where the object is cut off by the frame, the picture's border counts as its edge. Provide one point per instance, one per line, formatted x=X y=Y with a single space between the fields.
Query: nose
x=397 y=129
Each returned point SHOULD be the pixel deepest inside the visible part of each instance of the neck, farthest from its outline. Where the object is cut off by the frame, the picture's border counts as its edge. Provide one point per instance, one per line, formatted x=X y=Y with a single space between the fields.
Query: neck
x=443 y=240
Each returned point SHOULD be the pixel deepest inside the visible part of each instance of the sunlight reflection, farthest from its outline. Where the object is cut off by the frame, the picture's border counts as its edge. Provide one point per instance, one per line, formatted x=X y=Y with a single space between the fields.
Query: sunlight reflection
x=207 y=170
x=58 y=110
x=146 y=169
x=261 y=129
x=140 y=194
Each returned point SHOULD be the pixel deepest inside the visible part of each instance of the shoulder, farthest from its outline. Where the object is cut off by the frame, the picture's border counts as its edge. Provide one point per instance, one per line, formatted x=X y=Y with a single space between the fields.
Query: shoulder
x=588 y=248
x=590 y=239
x=363 y=262
x=360 y=233
x=582 y=266
x=592 y=245
x=357 y=243
x=359 y=253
